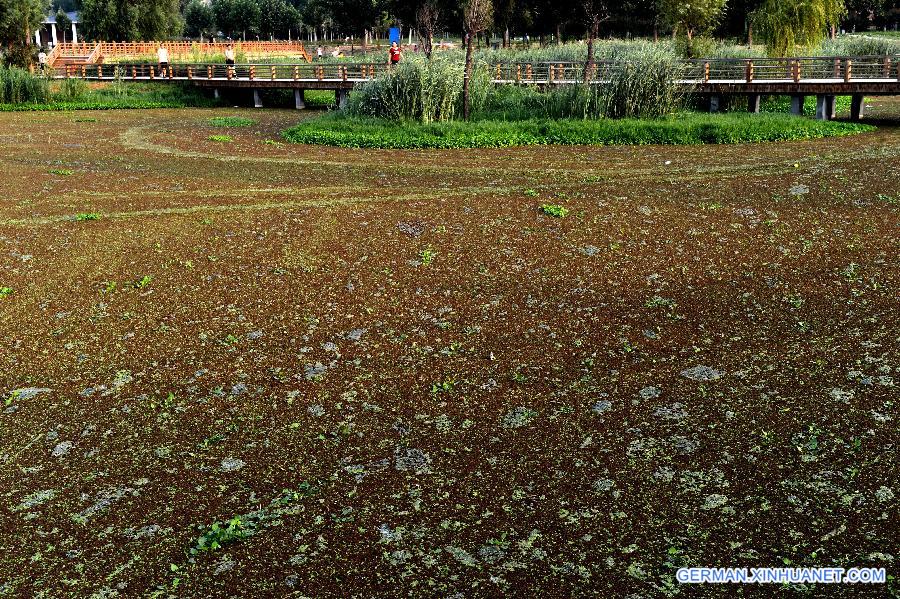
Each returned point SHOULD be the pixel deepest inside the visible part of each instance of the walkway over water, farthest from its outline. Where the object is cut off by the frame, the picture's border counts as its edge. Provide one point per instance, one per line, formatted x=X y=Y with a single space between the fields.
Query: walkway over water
x=823 y=77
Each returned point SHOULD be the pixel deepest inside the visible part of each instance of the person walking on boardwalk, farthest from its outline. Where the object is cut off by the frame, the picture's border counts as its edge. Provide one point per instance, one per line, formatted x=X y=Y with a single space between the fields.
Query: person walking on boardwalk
x=42 y=60
x=162 y=55
x=394 y=54
x=229 y=58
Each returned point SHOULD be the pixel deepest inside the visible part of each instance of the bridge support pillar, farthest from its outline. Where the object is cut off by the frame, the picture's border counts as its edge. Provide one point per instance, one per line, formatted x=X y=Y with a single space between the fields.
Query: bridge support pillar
x=797 y=105
x=299 y=101
x=753 y=103
x=216 y=93
x=715 y=102
x=825 y=107
x=343 y=96
x=858 y=107
x=257 y=99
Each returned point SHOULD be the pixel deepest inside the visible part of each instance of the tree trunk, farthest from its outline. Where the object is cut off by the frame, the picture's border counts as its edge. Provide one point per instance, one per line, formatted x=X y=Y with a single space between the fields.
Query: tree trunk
x=593 y=30
x=467 y=76
x=506 y=38
x=558 y=34
x=750 y=35
x=655 y=31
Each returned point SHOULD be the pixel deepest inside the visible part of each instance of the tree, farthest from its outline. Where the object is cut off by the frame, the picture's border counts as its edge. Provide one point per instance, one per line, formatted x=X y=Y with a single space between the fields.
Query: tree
x=595 y=12
x=428 y=18
x=131 y=19
x=693 y=16
x=199 y=20
x=237 y=18
x=277 y=17
x=477 y=17
x=786 y=24
x=18 y=21
x=63 y=23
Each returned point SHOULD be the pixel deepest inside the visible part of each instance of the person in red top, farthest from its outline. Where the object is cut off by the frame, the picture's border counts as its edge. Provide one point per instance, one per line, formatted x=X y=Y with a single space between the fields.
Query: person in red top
x=394 y=53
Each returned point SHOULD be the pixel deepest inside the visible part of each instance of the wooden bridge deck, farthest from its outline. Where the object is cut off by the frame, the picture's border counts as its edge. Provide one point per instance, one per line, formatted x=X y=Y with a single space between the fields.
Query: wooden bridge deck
x=824 y=77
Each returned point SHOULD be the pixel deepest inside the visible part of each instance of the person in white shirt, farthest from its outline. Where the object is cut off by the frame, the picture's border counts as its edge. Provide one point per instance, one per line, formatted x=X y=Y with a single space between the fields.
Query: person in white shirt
x=163 y=56
x=42 y=60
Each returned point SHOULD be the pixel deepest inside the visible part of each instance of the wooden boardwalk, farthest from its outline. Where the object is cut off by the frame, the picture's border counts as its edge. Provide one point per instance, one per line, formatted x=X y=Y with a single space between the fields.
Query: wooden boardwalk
x=823 y=77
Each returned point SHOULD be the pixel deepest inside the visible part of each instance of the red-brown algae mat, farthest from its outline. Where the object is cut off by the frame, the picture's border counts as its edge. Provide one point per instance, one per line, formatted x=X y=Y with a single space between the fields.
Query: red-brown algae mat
x=251 y=368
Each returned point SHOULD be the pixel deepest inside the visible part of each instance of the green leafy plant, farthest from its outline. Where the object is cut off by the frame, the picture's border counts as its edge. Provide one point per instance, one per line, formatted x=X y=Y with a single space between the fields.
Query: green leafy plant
x=554 y=210
x=142 y=282
x=83 y=216
x=5 y=291
x=61 y=171
x=427 y=256
x=231 y=121
x=221 y=138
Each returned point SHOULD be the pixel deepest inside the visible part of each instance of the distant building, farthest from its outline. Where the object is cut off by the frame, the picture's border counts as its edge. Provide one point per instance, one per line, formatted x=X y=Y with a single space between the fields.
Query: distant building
x=50 y=35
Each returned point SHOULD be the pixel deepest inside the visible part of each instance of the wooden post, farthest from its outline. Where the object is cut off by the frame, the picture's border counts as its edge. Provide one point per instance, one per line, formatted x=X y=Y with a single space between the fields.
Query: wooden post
x=344 y=73
x=887 y=67
x=83 y=72
x=837 y=68
x=252 y=72
x=273 y=72
x=296 y=73
x=190 y=73
x=99 y=71
x=151 y=71
x=797 y=71
x=749 y=71
x=706 y=72
x=561 y=73
x=529 y=73
x=497 y=75
x=550 y=79
x=848 y=71
x=518 y=73
x=133 y=72
x=209 y=71
x=228 y=72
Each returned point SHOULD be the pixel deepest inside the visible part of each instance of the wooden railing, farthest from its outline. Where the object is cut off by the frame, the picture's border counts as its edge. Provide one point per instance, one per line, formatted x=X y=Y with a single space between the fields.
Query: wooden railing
x=176 y=48
x=54 y=54
x=693 y=72
x=720 y=70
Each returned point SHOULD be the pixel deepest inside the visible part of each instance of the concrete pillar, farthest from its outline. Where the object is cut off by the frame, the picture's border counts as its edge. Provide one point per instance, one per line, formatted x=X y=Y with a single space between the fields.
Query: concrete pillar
x=824 y=107
x=797 y=105
x=753 y=103
x=74 y=34
x=858 y=107
x=216 y=93
x=342 y=98
x=257 y=100
x=53 y=32
x=299 y=101
x=37 y=37
x=714 y=103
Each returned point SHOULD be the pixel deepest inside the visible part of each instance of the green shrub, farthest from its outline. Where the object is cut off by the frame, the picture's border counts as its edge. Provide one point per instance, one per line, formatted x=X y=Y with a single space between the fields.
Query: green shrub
x=338 y=129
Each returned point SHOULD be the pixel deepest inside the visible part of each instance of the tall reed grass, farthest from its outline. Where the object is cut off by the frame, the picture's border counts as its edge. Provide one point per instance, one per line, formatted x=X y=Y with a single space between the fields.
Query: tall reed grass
x=19 y=86
x=640 y=83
